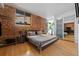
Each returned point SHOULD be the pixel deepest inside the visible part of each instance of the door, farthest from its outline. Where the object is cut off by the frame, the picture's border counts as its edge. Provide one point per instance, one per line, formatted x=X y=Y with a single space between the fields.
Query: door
x=59 y=28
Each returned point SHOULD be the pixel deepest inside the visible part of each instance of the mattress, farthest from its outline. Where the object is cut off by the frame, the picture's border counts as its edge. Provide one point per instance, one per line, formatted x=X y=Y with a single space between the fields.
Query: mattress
x=41 y=40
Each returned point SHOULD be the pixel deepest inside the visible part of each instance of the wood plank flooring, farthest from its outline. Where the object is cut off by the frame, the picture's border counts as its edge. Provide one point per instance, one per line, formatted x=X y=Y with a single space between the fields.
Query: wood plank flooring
x=69 y=37
x=59 y=48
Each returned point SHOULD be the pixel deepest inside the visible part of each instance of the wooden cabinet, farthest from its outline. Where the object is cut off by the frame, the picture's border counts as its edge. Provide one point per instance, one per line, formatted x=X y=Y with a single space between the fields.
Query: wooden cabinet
x=43 y=24
x=38 y=23
x=33 y=22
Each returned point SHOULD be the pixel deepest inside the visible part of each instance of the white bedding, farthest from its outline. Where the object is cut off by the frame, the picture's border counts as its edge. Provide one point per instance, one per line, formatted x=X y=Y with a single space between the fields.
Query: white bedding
x=42 y=40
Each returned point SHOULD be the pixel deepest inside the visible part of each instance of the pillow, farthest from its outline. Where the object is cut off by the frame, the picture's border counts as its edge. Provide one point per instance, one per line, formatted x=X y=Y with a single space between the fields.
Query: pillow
x=31 y=33
x=39 y=32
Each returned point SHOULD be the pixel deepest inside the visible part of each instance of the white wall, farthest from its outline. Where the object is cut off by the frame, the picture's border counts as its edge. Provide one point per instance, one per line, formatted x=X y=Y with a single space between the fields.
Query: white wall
x=78 y=39
x=76 y=30
x=65 y=14
x=71 y=15
x=70 y=18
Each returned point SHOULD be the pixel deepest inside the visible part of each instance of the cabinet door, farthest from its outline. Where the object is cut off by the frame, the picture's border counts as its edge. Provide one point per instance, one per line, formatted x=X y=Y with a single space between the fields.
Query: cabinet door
x=59 y=28
x=33 y=22
x=38 y=21
x=42 y=24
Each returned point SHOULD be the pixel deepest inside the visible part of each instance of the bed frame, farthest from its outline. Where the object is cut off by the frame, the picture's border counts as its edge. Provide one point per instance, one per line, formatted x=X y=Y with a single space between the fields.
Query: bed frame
x=40 y=47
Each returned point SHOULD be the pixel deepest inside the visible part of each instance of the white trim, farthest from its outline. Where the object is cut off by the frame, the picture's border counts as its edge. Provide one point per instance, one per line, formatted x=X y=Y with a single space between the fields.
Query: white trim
x=76 y=29
x=63 y=28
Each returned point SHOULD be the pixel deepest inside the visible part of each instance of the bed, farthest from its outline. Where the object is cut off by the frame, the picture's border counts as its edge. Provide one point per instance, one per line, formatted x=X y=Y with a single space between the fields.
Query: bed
x=42 y=40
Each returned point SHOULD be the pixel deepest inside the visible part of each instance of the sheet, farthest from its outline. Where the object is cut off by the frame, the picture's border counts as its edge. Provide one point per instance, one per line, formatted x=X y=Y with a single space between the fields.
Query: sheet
x=41 y=40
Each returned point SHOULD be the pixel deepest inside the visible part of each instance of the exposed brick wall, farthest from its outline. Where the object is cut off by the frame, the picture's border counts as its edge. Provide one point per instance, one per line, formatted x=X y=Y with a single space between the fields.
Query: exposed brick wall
x=7 y=16
x=11 y=29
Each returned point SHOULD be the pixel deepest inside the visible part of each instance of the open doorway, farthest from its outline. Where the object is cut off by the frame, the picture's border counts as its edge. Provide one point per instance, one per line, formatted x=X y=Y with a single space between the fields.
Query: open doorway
x=69 y=31
x=69 y=28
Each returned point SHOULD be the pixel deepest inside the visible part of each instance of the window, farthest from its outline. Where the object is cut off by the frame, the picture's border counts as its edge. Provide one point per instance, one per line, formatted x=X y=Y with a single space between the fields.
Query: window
x=51 y=26
x=19 y=20
x=23 y=18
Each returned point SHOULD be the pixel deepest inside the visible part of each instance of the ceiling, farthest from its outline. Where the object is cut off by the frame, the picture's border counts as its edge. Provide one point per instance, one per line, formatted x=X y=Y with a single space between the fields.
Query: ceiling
x=45 y=9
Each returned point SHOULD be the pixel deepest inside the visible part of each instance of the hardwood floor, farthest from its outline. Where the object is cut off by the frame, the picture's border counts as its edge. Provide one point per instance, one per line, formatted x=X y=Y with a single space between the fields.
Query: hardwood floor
x=59 y=48
x=69 y=37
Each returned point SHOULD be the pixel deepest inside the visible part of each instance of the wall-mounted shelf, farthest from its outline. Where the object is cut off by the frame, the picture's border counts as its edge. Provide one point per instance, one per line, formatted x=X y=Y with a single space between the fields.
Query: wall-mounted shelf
x=23 y=18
